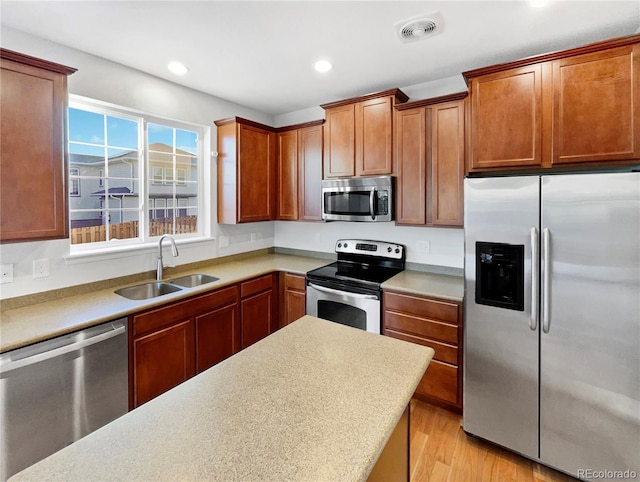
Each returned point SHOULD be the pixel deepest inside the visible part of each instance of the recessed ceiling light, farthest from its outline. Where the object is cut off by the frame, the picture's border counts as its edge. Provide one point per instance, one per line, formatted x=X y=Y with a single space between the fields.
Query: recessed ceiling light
x=323 y=66
x=539 y=3
x=178 y=68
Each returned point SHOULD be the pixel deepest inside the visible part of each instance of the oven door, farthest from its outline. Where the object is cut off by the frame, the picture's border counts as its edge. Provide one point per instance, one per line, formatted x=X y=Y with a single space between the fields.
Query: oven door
x=352 y=309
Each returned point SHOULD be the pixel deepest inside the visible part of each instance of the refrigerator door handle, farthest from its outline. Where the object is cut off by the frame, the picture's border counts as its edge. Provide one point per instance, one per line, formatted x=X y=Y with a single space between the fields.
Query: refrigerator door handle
x=535 y=279
x=546 y=279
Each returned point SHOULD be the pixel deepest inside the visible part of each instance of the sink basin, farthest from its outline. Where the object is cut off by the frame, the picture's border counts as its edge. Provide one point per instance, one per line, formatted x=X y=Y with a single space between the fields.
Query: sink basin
x=147 y=290
x=192 y=280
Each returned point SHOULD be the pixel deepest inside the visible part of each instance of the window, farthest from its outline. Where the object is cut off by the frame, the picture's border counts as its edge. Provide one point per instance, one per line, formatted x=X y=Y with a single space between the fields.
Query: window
x=126 y=162
x=74 y=184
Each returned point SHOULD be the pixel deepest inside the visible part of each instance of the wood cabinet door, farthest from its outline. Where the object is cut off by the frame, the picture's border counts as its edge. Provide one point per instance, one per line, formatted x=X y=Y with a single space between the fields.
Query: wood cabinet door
x=256 y=174
x=339 y=141
x=33 y=201
x=294 y=305
x=288 y=175
x=217 y=336
x=258 y=317
x=162 y=359
x=446 y=162
x=374 y=129
x=596 y=106
x=310 y=141
x=506 y=118
x=411 y=166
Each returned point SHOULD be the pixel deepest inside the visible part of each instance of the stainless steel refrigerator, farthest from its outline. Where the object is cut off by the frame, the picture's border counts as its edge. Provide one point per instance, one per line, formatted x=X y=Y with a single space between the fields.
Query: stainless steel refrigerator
x=552 y=319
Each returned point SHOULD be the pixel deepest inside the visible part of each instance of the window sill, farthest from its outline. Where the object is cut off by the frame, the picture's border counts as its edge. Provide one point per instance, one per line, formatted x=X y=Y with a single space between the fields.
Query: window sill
x=119 y=252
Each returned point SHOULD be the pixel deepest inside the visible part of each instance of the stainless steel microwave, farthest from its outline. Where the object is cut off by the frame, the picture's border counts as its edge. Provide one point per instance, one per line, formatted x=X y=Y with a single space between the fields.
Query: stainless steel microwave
x=358 y=199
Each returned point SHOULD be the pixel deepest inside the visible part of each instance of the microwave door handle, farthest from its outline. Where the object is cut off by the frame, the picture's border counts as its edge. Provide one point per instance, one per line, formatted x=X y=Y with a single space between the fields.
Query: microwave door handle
x=372 y=202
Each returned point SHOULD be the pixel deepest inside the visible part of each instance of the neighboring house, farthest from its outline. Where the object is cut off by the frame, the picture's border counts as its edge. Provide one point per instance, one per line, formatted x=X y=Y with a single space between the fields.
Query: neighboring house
x=94 y=196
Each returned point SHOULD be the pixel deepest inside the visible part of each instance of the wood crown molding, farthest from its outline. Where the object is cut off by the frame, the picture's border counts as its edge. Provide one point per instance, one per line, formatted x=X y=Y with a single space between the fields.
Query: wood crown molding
x=594 y=47
x=35 y=62
x=433 y=100
x=247 y=122
x=292 y=127
x=242 y=120
x=400 y=97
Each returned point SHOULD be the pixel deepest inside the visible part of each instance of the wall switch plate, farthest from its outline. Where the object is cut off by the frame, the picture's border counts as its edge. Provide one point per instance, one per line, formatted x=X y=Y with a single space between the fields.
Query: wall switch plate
x=224 y=241
x=424 y=246
x=41 y=268
x=254 y=237
x=6 y=273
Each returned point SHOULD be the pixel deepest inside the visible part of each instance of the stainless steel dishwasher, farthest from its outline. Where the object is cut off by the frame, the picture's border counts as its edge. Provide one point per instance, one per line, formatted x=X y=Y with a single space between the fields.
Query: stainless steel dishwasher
x=54 y=392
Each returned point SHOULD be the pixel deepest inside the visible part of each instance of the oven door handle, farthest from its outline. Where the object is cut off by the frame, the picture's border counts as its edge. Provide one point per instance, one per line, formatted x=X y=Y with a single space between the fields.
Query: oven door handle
x=343 y=293
x=372 y=207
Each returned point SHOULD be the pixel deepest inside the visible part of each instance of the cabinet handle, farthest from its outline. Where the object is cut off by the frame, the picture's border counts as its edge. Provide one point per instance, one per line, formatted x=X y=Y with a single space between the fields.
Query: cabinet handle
x=546 y=280
x=535 y=279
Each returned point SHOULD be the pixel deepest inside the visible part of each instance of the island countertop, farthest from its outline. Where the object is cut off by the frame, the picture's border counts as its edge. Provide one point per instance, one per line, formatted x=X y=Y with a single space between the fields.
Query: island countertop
x=314 y=401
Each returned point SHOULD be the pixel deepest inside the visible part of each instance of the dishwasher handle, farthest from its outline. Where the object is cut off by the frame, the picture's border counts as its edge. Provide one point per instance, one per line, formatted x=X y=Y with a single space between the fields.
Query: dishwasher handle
x=7 y=365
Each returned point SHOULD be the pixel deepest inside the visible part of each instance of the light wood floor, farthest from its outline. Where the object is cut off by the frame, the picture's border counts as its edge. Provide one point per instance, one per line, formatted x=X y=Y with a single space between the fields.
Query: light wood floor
x=442 y=452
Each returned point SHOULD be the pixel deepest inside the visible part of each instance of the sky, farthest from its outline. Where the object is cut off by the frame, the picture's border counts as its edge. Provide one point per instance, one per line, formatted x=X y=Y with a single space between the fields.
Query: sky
x=121 y=134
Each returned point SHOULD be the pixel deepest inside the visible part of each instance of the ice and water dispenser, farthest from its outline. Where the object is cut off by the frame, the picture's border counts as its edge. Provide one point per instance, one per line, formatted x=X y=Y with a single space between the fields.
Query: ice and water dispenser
x=500 y=275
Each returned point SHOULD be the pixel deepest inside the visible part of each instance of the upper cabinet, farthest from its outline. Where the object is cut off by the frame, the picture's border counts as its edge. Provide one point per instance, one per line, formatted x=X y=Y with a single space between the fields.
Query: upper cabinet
x=574 y=107
x=33 y=100
x=246 y=171
x=300 y=171
x=430 y=161
x=358 y=135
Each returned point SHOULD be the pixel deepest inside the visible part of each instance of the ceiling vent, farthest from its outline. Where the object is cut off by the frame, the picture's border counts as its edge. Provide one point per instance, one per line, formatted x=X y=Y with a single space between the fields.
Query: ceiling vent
x=420 y=27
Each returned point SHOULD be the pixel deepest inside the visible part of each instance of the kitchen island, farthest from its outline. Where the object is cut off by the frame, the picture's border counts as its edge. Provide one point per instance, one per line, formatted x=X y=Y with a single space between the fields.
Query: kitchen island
x=314 y=401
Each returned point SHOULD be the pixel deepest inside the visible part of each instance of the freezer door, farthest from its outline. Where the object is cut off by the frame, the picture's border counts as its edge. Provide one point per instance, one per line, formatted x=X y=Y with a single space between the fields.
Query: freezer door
x=590 y=343
x=500 y=389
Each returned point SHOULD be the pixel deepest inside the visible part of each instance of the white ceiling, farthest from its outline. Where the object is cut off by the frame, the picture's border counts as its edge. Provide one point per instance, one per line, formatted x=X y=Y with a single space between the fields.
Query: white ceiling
x=260 y=54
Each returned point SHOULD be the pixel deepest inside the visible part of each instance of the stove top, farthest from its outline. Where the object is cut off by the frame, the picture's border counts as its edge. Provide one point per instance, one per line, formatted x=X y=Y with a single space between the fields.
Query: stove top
x=361 y=264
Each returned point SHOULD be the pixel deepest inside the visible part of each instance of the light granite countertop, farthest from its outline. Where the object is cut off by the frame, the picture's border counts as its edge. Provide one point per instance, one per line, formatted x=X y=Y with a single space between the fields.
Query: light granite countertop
x=23 y=326
x=315 y=401
x=442 y=286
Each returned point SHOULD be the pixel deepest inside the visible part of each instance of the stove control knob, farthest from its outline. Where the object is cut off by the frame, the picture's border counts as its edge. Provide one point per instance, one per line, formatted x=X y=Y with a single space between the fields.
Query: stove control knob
x=346 y=245
x=397 y=250
x=339 y=245
x=389 y=249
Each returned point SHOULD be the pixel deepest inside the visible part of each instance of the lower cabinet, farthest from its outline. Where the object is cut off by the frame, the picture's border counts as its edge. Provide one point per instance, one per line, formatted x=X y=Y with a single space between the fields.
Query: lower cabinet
x=294 y=298
x=258 y=308
x=437 y=324
x=162 y=359
x=218 y=330
x=172 y=343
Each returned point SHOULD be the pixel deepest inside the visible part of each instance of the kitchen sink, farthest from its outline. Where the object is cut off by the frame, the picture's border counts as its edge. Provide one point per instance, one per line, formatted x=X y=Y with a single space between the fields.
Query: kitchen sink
x=147 y=290
x=192 y=280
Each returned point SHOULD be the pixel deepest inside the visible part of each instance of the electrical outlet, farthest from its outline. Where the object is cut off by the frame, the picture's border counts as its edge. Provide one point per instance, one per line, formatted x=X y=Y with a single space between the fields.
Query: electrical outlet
x=254 y=237
x=41 y=268
x=423 y=246
x=6 y=273
x=224 y=241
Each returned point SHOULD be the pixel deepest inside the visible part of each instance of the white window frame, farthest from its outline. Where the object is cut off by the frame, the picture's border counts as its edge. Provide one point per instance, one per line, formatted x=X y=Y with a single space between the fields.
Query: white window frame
x=145 y=203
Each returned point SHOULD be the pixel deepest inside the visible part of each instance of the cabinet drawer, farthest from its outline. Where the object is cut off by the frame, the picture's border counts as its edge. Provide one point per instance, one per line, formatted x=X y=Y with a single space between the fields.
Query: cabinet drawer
x=294 y=282
x=440 y=381
x=427 y=307
x=444 y=352
x=420 y=326
x=182 y=310
x=257 y=285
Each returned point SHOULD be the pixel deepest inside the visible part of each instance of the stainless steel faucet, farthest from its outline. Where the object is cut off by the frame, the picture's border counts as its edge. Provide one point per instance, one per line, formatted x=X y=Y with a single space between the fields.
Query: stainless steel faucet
x=174 y=252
